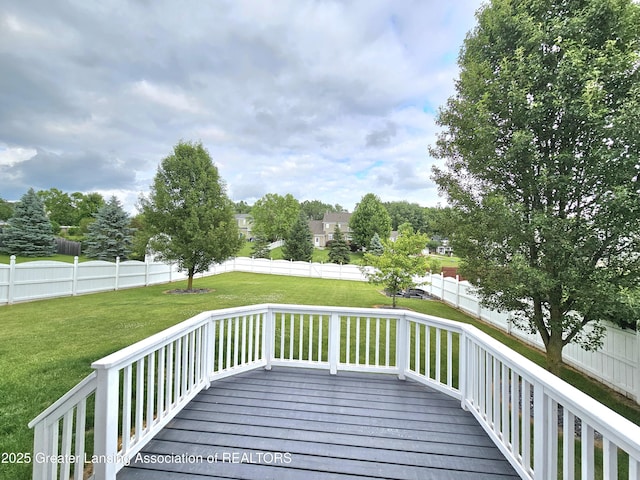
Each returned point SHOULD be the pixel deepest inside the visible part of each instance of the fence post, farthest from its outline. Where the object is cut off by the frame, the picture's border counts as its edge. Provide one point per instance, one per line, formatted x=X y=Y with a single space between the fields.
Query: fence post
x=334 y=343
x=117 y=273
x=637 y=366
x=74 y=283
x=106 y=423
x=12 y=278
x=457 y=291
x=146 y=270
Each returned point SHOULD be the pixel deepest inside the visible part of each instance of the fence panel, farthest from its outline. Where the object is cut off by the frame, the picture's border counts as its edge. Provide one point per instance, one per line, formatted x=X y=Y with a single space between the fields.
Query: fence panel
x=5 y=280
x=96 y=276
x=42 y=279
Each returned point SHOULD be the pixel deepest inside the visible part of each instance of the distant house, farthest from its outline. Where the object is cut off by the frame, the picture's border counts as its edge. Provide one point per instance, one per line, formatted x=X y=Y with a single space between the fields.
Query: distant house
x=244 y=224
x=444 y=248
x=322 y=230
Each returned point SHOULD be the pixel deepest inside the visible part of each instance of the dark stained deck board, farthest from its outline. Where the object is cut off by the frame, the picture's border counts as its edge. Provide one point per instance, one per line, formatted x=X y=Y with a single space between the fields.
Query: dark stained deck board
x=345 y=426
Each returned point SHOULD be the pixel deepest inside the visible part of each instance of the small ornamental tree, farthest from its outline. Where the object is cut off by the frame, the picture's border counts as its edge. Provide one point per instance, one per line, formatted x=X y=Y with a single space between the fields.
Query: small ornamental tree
x=111 y=235
x=298 y=245
x=29 y=232
x=189 y=212
x=375 y=247
x=338 y=250
x=399 y=263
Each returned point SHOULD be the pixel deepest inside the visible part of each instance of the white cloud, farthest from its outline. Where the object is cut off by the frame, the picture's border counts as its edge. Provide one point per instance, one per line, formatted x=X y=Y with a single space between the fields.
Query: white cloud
x=321 y=99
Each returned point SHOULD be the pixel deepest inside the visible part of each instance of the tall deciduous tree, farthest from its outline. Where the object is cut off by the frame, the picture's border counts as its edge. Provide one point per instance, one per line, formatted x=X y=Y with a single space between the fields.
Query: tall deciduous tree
x=29 y=232
x=189 y=211
x=339 y=249
x=399 y=262
x=405 y=212
x=6 y=209
x=368 y=218
x=298 y=244
x=273 y=215
x=542 y=147
x=315 y=209
x=110 y=236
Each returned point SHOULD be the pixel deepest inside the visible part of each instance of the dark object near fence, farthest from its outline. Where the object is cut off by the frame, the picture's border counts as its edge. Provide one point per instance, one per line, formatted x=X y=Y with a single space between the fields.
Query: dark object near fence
x=68 y=247
x=416 y=293
x=451 y=272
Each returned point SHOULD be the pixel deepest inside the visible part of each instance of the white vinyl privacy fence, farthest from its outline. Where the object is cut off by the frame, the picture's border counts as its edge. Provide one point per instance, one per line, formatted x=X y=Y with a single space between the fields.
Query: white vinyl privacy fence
x=20 y=282
x=617 y=364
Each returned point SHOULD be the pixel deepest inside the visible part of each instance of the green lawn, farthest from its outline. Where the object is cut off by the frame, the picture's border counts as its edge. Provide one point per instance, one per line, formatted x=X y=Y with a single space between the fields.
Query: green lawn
x=47 y=346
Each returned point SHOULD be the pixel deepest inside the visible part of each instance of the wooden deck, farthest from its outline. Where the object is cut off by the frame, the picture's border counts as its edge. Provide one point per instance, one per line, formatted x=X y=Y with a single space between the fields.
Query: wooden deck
x=307 y=424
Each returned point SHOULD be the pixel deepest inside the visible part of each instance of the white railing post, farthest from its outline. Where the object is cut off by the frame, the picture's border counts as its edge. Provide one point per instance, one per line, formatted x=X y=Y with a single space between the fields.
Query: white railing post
x=402 y=344
x=268 y=338
x=463 y=369
x=545 y=455
x=74 y=282
x=106 y=423
x=209 y=339
x=334 y=343
x=39 y=447
x=12 y=278
x=457 y=291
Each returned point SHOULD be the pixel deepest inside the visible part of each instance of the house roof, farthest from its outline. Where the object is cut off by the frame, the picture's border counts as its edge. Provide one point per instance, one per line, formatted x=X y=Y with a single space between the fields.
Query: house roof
x=331 y=217
x=316 y=227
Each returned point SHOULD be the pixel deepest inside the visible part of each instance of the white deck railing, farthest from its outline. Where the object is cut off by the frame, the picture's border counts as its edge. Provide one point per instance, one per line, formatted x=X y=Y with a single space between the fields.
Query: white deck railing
x=135 y=392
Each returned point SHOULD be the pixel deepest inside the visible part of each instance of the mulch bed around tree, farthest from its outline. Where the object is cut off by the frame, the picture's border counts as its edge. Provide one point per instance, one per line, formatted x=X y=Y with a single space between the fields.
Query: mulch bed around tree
x=193 y=291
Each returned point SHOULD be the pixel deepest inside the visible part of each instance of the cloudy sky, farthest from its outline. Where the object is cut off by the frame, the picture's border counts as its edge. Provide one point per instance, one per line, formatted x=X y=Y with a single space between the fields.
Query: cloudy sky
x=322 y=99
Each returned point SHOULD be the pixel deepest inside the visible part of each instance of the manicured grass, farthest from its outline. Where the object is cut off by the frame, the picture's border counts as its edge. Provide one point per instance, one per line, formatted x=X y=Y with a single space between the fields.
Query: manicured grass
x=47 y=346
x=445 y=260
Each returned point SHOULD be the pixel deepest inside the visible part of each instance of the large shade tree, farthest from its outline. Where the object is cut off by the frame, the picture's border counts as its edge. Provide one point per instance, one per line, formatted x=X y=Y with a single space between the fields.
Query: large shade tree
x=369 y=217
x=189 y=212
x=541 y=143
x=273 y=215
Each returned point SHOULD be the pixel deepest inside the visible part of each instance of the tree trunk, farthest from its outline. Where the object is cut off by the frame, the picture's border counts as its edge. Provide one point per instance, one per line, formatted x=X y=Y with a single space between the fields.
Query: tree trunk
x=554 y=353
x=190 y=279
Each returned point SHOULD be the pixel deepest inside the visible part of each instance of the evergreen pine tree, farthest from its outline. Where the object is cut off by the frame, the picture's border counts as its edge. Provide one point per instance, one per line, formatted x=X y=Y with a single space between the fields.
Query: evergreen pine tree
x=376 y=247
x=260 y=246
x=298 y=246
x=338 y=250
x=110 y=236
x=29 y=232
